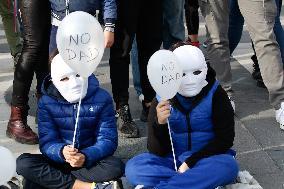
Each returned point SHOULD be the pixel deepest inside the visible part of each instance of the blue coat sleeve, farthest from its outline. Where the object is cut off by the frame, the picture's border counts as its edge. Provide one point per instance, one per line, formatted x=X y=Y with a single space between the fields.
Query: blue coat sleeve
x=106 y=143
x=50 y=143
x=109 y=11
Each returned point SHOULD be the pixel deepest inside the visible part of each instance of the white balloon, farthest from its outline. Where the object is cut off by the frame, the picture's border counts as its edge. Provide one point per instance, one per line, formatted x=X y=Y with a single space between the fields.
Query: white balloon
x=7 y=165
x=164 y=73
x=80 y=42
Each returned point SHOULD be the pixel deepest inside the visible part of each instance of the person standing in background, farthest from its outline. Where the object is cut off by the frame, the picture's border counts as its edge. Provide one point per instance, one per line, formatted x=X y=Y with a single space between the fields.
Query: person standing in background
x=34 y=59
x=10 y=28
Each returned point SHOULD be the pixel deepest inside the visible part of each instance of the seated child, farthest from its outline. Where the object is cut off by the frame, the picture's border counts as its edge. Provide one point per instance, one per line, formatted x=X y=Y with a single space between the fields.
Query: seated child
x=90 y=163
x=201 y=119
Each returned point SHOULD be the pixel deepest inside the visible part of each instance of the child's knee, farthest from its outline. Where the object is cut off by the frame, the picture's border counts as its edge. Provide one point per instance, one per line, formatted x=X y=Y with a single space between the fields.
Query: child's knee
x=23 y=164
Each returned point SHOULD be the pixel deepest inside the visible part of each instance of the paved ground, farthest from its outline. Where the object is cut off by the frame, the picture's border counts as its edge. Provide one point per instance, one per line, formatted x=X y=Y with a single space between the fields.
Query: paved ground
x=259 y=141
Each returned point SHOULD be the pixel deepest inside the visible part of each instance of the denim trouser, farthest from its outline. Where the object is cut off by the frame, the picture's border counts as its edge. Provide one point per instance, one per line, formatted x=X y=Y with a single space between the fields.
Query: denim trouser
x=237 y=22
x=135 y=68
x=13 y=37
x=260 y=16
x=173 y=26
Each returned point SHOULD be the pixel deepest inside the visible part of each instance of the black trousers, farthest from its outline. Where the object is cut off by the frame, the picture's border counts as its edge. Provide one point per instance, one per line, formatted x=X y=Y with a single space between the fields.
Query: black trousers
x=41 y=173
x=34 y=58
x=192 y=16
x=143 y=18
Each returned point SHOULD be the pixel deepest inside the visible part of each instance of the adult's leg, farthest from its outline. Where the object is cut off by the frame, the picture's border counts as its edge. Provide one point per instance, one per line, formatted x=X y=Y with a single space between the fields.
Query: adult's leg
x=209 y=172
x=127 y=17
x=39 y=171
x=260 y=21
x=119 y=52
x=278 y=29
x=135 y=68
x=13 y=37
x=149 y=40
x=173 y=29
x=216 y=14
x=236 y=23
x=192 y=19
x=36 y=22
x=149 y=170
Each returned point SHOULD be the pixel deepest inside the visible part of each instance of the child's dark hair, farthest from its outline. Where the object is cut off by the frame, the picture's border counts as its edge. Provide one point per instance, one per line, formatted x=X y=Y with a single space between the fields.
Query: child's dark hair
x=51 y=56
x=178 y=44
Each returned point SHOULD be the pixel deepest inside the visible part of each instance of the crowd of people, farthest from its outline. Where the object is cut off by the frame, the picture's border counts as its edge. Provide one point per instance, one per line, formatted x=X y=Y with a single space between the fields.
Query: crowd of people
x=201 y=114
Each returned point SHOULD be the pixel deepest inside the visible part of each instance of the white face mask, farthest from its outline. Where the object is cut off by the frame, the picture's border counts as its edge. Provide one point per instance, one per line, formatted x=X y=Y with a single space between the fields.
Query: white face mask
x=67 y=82
x=194 y=70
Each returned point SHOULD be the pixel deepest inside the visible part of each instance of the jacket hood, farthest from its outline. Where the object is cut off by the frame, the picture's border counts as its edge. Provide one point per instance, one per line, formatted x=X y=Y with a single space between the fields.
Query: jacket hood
x=49 y=89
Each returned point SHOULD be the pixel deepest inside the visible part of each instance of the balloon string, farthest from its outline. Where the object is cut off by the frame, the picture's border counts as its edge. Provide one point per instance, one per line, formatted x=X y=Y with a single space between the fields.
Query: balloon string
x=77 y=117
x=173 y=150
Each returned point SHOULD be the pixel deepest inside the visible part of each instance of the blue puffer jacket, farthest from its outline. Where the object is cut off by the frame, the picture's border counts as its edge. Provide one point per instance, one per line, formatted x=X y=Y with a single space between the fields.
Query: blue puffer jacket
x=96 y=133
x=107 y=6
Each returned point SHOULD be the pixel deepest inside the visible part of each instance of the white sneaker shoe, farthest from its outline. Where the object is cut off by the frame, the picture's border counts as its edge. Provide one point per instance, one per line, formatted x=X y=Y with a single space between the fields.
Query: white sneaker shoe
x=280 y=116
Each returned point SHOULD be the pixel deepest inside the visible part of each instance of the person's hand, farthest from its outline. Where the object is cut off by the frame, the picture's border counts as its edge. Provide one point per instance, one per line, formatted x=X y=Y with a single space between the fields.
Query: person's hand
x=78 y=160
x=163 y=111
x=183 y=168
x=109 y=39
x=68 y=152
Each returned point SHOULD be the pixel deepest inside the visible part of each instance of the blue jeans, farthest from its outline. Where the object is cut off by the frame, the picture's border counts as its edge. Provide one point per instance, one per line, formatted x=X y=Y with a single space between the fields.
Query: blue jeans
x=52 y=42
x=135 y=68
x=237 y=21
x=173 y=26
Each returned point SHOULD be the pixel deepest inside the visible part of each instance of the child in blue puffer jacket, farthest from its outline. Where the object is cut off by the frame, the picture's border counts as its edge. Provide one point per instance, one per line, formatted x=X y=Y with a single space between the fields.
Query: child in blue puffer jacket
x=107 y=8
x=201 y=119
x=87 y=165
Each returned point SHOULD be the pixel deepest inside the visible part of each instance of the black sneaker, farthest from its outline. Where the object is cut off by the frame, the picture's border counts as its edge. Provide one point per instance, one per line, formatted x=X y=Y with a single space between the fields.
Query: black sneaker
x=126 y=126
x=144 y=113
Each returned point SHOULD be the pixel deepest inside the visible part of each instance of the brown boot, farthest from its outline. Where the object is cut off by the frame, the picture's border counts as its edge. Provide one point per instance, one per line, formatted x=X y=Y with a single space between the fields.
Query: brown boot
x=18 y=128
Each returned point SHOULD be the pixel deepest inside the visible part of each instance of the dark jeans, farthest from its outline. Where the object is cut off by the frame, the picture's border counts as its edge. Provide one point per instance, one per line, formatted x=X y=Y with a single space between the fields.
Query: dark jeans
x=41 y=173
x=143 y=18
x=192 y=16
x=34 y=57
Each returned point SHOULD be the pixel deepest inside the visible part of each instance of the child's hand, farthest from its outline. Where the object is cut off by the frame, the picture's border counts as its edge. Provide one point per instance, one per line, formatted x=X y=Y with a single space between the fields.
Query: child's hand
x=78 y=160
x=184 y=167
x=109 y=39
x=68 y=152
x=163 y=111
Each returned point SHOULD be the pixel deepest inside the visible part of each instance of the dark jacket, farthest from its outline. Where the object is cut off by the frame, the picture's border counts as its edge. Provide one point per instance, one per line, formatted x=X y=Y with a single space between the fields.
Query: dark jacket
x=96 y=133
x=108 y=8
x=201 y=126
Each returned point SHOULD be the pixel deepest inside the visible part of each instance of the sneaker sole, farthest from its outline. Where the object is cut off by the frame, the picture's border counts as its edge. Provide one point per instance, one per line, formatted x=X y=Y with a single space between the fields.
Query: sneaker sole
x=22 y=141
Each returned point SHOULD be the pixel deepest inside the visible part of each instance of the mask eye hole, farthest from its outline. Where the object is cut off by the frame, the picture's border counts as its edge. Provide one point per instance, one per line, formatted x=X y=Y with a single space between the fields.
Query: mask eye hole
x=64 y=79
x=77 y=75
x=183 y=74
x=197 y=72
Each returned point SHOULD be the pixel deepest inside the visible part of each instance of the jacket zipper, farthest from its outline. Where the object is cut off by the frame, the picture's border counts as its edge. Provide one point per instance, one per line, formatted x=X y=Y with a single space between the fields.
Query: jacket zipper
x=188 y=130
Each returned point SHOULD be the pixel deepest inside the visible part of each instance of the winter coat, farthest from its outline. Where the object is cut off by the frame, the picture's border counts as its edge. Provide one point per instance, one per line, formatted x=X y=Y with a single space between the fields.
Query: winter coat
x=108 y=7
x=96 y=133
